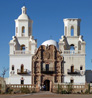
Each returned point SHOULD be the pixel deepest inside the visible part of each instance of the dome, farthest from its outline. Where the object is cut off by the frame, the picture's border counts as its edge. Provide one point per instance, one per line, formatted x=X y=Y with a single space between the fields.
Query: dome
x=50 y=42
x=23 y=16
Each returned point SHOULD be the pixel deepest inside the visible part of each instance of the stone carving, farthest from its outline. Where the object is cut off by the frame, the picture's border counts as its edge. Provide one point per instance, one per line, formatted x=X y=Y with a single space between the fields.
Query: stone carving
x=47 y=55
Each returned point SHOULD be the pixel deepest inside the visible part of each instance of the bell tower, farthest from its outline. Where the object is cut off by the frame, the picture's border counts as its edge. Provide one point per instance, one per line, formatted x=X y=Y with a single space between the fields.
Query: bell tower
x=72 y=46
x=22 y=47
x=72 y=26
x=23 y=25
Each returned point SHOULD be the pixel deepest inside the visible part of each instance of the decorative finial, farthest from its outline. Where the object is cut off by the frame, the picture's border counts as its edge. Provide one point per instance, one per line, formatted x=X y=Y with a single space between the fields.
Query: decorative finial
x=23 y=10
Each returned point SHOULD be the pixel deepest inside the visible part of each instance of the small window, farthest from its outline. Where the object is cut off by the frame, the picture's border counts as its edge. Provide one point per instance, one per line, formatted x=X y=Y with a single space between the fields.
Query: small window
x=23 y=29
x=12 y=67
x=72 y=47
x=72 y=31
x=22 y=68
x=47 y=67
x=22 y=47
x=72 y=69
x=22 y=81
x=71 y=81
x=81 y=68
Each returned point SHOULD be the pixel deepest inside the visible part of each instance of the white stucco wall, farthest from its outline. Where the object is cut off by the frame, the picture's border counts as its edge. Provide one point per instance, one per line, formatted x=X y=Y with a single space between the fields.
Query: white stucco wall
x=17 y=61
x=77 y=79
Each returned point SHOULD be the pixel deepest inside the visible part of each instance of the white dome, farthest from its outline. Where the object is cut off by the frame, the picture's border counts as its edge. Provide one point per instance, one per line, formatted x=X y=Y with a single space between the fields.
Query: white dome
x=50 y=42
x=23 y=16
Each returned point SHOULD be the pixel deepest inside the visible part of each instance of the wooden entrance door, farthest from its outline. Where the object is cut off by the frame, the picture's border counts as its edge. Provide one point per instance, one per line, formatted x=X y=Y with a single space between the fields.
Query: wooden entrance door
x=22 y=68
x=72 y=69
x=47 y=85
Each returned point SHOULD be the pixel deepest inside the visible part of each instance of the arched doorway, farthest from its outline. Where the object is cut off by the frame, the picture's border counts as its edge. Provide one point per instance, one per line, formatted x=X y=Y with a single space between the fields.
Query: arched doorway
x=22 y=47
x=22 y=68
x=47 y=85
x=72 y=69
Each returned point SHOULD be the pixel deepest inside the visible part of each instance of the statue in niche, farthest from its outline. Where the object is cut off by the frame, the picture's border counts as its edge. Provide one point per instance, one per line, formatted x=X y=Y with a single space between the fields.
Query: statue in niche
x=38 y=55
x=59 y=56
x=47 y=55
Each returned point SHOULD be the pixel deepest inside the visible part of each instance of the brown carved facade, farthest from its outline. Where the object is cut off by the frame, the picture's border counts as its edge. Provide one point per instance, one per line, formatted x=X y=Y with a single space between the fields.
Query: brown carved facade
x=47 y=65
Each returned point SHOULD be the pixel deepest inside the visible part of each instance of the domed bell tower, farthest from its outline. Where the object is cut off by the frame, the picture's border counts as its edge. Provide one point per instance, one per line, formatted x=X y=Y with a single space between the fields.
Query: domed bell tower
x=23 y=25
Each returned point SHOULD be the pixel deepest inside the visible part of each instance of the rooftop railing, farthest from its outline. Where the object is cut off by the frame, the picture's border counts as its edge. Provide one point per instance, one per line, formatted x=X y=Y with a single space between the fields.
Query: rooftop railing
x=72 y=52
x=75 y=71
x=22 y=52
x=19 y=71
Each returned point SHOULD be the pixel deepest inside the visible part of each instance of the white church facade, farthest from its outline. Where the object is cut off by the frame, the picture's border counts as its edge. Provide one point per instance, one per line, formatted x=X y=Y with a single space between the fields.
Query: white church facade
x=32 y=65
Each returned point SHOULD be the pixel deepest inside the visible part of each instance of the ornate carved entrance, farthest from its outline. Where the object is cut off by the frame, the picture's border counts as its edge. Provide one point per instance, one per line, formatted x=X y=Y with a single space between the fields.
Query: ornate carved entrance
x=47 y=66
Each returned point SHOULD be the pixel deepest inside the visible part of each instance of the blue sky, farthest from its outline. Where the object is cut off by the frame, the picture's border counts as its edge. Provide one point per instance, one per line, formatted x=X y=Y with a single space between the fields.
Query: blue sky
x=47 y=16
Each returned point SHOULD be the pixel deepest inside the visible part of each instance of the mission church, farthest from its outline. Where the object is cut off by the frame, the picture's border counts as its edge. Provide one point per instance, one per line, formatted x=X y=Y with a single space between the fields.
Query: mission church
x=53 y=62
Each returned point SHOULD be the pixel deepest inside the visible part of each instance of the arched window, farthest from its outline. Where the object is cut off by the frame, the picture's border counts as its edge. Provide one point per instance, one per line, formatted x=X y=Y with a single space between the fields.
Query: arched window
x=47 y=67
x=72 y=31
x=72 y=47
x=22 y=47
x=81 y=68
x=72 y=69
x=22 y=80
x=71 y=81
x=22 y=68
x=12 y=67
x=23 y=29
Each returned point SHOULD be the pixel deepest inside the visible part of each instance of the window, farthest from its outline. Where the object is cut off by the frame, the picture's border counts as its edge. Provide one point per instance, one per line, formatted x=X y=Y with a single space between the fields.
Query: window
x=22 y=47
x=72 y=69
x=22 y=68
x=23 y=29
x=71 y=81
x=72 y=47
x=72 y=31
x=47 y=67
x=22 y=81
x=12 y=67
x=81 y=68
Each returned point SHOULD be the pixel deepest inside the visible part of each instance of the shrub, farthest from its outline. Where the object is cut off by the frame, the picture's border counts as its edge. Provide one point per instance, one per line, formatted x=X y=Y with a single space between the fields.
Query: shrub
x=9 y=90
x=69 y=88
x=25 y=90
x=64 y=92
x=87 y=91
x=59 y=88
x=33 y=91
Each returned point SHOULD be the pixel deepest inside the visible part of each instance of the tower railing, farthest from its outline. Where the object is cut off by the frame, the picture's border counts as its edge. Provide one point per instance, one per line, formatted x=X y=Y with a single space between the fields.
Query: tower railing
x=72 y=52
x=75 y=71
x=19 y=71
x=22 y=52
